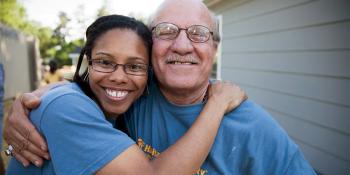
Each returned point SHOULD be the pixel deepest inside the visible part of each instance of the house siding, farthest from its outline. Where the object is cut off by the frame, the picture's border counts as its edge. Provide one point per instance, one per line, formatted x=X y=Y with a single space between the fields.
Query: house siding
x=293 y=58
x=19 y=54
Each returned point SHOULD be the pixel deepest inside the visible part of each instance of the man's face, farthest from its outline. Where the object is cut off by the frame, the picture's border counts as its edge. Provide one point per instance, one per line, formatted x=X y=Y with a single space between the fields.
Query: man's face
x=181 y=64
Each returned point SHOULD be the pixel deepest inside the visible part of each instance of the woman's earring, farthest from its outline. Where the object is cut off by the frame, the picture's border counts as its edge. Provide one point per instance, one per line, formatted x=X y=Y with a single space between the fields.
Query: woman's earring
x=86 y=76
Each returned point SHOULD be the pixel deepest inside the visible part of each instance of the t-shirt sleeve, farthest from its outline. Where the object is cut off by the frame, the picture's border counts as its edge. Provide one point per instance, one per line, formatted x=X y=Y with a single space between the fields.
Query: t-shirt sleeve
x=270 y=149
x=298 y=165
x=80 y=139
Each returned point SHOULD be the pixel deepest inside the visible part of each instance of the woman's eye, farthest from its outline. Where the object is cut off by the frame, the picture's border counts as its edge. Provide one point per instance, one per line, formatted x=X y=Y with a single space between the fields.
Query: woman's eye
x=104 y=62
x=136 y=67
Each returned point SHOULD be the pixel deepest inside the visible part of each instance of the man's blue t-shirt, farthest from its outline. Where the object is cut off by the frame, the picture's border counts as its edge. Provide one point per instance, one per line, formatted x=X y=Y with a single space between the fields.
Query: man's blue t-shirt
x=80 y=139
x=249 y=141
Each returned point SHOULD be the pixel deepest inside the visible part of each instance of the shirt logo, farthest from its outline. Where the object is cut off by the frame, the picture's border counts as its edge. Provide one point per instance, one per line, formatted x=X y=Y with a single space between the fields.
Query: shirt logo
x=152 y=153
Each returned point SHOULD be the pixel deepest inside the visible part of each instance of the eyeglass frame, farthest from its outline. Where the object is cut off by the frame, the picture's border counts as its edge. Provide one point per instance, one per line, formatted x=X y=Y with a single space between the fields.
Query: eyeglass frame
x=115 y=67
x=185 y=29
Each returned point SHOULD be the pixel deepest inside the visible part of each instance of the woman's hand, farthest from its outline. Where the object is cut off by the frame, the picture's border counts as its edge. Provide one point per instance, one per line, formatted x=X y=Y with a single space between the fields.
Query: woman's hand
x=226 y=94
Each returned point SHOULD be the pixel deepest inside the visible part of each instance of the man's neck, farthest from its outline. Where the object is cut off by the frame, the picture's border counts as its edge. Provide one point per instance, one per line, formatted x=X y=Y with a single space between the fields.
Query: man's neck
x=184 y=96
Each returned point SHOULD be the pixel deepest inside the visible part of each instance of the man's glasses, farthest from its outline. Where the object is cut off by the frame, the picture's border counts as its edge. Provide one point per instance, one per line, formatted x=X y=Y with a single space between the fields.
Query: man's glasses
x=169 y=31
x=107 y=66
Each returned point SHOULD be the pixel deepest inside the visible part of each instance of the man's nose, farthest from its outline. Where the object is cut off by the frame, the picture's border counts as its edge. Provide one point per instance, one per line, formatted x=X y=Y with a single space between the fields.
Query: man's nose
x=182 y=45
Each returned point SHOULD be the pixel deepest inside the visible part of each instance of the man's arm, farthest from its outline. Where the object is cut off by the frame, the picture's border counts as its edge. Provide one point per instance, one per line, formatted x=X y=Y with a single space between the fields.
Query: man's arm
x=20 y=132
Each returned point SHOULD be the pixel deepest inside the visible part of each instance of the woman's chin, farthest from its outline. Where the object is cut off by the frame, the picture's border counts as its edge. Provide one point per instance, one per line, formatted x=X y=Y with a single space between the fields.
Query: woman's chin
x=114 y=111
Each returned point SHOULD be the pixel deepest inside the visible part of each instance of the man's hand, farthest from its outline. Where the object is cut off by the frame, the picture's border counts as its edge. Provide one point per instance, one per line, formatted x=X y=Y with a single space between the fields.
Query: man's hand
x=28 y=144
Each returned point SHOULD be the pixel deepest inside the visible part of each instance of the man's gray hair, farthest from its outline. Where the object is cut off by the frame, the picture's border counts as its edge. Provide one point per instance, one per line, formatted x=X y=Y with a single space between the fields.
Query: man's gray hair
x=216 y=29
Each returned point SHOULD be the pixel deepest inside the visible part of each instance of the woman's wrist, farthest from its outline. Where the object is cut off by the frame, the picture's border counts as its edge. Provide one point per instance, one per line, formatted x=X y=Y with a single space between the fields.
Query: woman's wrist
x=216 y=106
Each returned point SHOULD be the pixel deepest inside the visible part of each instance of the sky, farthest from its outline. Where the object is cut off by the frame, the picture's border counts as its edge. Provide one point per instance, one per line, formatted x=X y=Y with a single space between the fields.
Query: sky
x=46 y=11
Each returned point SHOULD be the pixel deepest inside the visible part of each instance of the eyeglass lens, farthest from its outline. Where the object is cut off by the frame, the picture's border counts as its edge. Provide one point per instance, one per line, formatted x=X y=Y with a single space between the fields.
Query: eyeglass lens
x=195 y=33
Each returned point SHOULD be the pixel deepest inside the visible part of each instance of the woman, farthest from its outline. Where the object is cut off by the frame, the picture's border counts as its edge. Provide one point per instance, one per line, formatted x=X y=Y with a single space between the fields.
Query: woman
x=75 y=118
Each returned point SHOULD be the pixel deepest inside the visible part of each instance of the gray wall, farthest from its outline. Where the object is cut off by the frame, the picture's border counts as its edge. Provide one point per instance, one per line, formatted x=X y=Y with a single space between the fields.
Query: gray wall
x=20 y=55
x=293 y=58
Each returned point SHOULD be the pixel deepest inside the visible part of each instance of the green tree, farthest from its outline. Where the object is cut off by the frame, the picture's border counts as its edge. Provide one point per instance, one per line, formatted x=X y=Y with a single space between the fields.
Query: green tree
x=47 y=43
x=61 y=31
x=13 y=15
x=58 y=47
x=52 y=42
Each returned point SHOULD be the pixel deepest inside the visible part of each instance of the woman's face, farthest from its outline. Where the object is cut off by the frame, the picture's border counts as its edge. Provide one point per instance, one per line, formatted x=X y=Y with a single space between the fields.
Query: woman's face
x=117 y=90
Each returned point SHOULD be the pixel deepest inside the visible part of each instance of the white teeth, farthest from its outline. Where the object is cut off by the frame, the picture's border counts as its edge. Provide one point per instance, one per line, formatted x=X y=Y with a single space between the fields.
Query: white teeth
x=177 y=62
x=118 y=94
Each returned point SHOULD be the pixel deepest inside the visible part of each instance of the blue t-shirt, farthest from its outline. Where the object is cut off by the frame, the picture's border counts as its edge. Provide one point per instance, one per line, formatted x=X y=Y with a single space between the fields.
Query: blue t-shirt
x=249 y=141
x=80 y=139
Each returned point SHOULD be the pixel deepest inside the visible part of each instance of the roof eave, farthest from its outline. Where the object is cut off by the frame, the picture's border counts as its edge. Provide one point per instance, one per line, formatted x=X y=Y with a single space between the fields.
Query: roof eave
x=210 y=3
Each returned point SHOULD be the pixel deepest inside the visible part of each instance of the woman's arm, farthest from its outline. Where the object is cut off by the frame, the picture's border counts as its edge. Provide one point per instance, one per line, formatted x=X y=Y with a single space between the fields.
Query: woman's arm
x=132 y=160
x=189 y=152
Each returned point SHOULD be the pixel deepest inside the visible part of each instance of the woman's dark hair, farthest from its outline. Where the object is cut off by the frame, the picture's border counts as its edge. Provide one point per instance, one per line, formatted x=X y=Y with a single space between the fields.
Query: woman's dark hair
x=101 y=26
x=53 y=66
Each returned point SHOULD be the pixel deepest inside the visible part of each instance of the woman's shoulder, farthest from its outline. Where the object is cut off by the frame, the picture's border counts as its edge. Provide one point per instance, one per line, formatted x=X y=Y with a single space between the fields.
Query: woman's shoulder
x=67 y=90
x=63 y=104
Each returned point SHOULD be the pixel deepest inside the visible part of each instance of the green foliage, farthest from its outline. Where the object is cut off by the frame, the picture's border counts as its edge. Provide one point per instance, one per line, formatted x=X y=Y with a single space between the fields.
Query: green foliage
x=53 y=43
x=46 y=42
x=61 y=31
x=13 y=15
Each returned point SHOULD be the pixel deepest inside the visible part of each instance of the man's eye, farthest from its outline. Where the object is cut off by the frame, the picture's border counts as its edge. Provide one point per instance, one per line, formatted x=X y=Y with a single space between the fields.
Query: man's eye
x=166 y=31
x=197 y=32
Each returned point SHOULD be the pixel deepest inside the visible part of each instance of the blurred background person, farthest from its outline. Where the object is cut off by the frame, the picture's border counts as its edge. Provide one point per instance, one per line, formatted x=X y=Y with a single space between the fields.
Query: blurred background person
x=53 y=75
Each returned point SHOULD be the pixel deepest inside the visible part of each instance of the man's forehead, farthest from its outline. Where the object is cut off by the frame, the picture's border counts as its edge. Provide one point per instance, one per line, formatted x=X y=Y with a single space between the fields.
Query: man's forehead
x=183 y=23
x=183 y=14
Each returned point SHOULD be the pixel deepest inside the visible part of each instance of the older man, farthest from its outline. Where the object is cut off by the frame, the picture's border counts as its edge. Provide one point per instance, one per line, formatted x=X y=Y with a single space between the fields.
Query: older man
x=185 y=40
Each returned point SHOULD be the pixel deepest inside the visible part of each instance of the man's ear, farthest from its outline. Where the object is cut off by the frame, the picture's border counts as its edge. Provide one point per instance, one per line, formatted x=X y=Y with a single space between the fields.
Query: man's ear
x=216 y=45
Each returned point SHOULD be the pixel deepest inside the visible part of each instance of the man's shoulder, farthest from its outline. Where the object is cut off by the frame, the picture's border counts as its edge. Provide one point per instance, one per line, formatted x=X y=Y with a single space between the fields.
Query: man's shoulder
x=260 y=132
x=249 y=112
x=252 y=119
